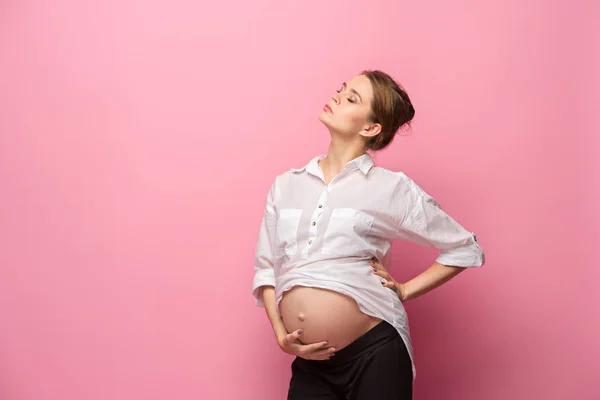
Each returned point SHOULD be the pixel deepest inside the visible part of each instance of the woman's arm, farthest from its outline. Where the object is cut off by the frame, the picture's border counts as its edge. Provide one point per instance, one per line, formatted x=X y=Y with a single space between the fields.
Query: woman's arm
x=264 y=268
x=421 y=220
x=268 y=296
x=433 y=277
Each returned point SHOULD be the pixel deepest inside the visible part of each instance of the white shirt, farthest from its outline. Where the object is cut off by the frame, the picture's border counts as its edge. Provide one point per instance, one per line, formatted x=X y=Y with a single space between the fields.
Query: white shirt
x=318 y=235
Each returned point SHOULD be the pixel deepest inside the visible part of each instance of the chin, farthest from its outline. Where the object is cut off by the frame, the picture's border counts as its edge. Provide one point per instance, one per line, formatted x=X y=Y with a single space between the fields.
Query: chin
x=323 y=118
x=328 y=126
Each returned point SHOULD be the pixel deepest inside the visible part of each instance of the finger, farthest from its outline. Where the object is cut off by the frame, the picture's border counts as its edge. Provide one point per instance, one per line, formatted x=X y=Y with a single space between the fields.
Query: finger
x=292 y=337
x=382 y=274
x=390 y=285
x=377 y=265
x=313 y=347
x=308 y=351
x=325 y=354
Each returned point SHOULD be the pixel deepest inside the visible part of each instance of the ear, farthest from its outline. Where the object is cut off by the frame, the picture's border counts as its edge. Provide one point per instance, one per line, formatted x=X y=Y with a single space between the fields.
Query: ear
x=371 y=130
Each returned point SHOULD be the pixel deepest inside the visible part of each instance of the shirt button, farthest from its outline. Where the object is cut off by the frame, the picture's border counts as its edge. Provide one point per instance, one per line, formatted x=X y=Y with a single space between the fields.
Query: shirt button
x=320 y=205
x=314 y=223
x=310 y=242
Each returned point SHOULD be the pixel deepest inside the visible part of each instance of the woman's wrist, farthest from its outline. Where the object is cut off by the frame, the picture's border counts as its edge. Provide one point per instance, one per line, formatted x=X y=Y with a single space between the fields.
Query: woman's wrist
x=280 y=332
x=404 y=295
x=401 y=291
x=275 y=319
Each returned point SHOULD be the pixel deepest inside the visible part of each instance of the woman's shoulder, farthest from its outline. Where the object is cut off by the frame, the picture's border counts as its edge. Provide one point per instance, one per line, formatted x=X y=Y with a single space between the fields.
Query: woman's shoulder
x=398 y=177
x=281 y=180
x=402 y=183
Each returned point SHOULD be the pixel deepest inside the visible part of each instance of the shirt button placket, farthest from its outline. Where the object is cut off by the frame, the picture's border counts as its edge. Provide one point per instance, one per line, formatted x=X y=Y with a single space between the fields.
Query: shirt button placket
x=313 y=225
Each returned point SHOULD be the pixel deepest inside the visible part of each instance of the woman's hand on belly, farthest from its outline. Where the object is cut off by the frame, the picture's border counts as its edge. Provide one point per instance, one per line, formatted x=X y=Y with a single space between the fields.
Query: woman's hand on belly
x=315 y=351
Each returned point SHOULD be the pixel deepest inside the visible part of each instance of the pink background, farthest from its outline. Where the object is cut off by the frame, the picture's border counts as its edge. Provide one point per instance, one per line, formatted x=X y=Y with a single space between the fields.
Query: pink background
x=139 y=138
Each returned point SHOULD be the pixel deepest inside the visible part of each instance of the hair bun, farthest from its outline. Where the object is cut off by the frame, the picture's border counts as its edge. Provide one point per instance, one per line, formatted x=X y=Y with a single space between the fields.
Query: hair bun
x=411 y=111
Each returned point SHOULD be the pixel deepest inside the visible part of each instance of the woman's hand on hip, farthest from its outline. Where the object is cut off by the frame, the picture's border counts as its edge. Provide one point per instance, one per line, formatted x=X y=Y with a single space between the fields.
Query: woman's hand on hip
x=379 y=270
x=314 y=351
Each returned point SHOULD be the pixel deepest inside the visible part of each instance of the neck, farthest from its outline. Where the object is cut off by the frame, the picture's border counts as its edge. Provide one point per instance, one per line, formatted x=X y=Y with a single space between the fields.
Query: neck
x=339 y=154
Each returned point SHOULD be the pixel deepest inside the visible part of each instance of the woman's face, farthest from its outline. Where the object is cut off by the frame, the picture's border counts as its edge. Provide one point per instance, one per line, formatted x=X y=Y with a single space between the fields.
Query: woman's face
x=347 y=112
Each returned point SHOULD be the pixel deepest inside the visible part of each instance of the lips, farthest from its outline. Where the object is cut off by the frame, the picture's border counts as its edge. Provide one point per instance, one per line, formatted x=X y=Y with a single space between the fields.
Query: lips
x=327 y=108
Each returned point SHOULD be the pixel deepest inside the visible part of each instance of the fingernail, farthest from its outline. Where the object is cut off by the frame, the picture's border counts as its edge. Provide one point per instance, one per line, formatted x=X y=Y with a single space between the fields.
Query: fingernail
x=300 y=331
x=332 y=351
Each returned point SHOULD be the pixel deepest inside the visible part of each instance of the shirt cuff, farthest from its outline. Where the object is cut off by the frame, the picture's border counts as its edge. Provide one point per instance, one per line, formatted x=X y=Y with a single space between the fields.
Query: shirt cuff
x=262 y=277
x=469 y=255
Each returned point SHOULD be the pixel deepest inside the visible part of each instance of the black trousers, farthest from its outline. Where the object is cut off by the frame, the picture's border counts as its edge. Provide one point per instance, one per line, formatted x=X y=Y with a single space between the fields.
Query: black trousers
x=376 y=366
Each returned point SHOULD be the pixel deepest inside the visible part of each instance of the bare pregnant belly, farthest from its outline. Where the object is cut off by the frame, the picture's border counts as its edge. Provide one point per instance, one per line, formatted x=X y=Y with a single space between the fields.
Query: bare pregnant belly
x=324 y=315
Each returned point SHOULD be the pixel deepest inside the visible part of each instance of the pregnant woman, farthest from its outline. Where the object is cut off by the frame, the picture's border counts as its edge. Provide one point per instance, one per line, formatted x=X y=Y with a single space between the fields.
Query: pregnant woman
x=324 y=238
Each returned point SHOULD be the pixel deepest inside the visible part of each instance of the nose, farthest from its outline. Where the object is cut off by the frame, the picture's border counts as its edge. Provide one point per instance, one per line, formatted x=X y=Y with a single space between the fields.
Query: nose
x=336 y=97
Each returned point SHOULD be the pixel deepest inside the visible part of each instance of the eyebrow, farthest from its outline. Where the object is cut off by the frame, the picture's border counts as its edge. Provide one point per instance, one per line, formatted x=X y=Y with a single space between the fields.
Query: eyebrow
x=353 y=91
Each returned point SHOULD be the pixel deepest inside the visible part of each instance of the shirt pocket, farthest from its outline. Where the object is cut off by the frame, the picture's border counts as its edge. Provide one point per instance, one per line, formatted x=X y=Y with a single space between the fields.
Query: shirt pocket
x=288 y=220
x=346 y=231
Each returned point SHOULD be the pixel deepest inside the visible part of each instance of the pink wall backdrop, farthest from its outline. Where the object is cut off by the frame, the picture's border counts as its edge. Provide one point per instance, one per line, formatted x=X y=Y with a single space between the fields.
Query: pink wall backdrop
x=138 y=140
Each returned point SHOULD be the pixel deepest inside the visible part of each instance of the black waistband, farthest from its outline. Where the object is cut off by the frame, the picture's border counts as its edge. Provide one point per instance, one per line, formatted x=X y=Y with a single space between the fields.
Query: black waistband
x=375 y=337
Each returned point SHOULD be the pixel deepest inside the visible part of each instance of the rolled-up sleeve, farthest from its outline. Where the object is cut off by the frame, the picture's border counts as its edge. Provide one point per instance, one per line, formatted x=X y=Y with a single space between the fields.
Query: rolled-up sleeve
x=425 y=223
x=264 y=273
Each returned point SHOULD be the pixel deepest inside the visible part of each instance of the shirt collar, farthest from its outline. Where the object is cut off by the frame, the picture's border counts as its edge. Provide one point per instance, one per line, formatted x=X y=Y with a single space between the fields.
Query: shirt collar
x=363 y=163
